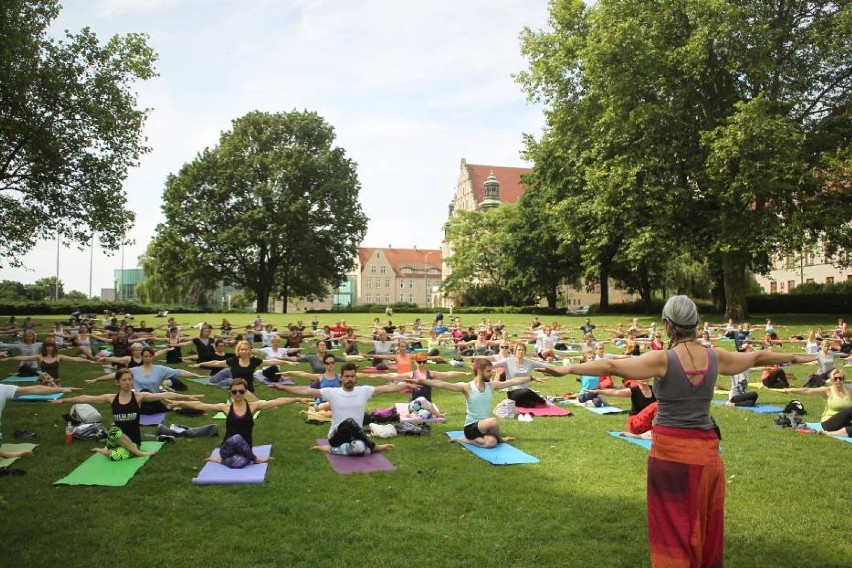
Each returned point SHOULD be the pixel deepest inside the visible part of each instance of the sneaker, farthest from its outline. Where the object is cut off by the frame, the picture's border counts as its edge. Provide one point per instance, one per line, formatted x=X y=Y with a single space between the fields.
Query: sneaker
x=25 y=435
x=168 y=438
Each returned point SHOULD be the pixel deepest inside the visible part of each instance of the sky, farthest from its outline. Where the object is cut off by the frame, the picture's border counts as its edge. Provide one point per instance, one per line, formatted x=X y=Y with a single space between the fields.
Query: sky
x=410 y=88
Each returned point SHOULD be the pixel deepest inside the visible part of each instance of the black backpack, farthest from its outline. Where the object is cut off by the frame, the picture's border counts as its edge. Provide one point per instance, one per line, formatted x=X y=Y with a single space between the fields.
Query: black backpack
x=795 y=406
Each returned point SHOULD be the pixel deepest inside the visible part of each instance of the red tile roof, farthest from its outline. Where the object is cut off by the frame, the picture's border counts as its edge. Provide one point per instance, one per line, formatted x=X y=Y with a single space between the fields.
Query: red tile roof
x=510 y=181
x=399 y=258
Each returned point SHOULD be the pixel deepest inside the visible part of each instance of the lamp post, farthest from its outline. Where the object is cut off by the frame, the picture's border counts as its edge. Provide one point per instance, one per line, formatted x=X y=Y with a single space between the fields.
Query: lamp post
x=426 y=274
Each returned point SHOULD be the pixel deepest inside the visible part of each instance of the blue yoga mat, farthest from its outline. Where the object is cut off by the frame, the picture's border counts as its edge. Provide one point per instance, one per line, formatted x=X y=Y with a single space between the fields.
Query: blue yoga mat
x=757 y=409
x=34 y=397
x=501 y=454
x=638 y=441
x=17 y=379
x=818 y=427
x=604 y=409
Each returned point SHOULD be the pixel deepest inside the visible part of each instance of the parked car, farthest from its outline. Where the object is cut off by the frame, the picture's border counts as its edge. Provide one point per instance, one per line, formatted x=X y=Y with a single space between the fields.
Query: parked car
x=579 y=310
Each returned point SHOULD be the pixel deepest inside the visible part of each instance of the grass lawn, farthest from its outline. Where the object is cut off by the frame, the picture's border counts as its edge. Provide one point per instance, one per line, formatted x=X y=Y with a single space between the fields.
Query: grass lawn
x=582 y=505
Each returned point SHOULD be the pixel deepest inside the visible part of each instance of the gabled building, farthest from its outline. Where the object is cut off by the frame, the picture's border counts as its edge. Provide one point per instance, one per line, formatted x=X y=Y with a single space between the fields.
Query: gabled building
x=390 y=275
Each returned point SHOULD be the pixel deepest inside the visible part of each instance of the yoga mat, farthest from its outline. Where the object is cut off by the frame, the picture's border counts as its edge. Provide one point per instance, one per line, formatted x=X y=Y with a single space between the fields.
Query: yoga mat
x=17 y=379
x=222 y=416
x=34 y=397
x=5 y=462
x=818 y=427
x=218 y=474
x=152 y=419
x=757 y=409
x=402 y=407
x=549 y=410
x=501 y=454
x=357 y=464
x=375 y=370
x=604 y=409
x=206 y=381
x=638 y=441
x=267 y=382
x=100 y=470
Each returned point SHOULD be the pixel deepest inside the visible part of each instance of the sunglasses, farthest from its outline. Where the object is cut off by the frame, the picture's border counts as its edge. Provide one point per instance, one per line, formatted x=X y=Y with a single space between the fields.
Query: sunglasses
x=421 y=362
x=238 y=391
x=329 y=362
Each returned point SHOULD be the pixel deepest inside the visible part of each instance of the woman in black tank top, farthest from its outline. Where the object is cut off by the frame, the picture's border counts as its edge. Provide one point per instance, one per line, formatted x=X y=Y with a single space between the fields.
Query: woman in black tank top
x=124 y=437
x=236 y=449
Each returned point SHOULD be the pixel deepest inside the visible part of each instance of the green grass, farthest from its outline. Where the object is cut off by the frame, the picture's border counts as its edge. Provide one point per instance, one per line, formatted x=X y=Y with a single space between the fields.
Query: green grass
x=582 y=505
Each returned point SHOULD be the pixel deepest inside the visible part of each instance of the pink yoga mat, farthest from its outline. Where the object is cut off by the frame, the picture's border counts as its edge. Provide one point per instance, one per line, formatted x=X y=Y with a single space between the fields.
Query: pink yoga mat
x=357 y=464
x=267 y=382
x=549 y=410
x=391 y=367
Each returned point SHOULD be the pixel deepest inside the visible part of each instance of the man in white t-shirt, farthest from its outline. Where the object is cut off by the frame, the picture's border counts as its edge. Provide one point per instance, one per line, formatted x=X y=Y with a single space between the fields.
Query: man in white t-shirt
x=348 y=404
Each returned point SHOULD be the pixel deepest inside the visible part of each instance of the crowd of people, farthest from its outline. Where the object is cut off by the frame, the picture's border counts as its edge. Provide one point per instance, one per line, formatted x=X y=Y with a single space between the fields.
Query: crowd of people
x=669 y=386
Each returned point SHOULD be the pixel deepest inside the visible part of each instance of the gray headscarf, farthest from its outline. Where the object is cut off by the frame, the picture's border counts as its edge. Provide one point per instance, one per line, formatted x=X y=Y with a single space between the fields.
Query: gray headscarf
x=681 y=313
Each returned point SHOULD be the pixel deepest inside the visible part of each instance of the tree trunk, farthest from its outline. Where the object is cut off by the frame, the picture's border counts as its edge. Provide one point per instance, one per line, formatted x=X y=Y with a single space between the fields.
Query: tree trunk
x=734 y=268
x=551 y=298
x=604 y=303
x=263 y=299
x=285 y=293
x=645 y=284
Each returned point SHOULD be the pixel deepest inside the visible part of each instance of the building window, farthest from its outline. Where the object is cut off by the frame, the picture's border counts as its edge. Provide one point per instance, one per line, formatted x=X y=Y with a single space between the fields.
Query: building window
x=790 y=285
x=829 y=279
x=809 y=259
x=401 y=284
x=809 y=281
x=372 y=270
x=406 y=270
x=411 y=283
x=773 y=287
x=387 y=298
x=382 y=269
x=387 y=283
x=369 y=298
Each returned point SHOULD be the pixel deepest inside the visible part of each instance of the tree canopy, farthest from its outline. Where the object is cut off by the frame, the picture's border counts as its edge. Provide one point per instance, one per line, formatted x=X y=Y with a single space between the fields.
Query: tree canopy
x=273 y=208
x=719 y=129
x=69 y=130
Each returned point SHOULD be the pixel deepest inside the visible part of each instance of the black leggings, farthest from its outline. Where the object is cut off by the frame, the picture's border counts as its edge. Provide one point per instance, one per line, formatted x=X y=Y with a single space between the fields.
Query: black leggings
x=745 y=399
x=842 y=419
x=348 y=431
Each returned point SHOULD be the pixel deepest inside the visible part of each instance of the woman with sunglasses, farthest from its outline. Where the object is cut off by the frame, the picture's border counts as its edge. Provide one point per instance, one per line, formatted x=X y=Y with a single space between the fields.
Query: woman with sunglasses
x=836 y=419
x=421 y=372
x=242 y=366
x=236 y=449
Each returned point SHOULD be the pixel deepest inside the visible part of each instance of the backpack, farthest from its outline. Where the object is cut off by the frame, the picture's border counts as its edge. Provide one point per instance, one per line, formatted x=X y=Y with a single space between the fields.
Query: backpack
x=93 y=431
x=795 y=406
x=789 y=420
x=383 y=415
x=411 y=429
x=85 y=414
x=505 y=409
x=382 y=430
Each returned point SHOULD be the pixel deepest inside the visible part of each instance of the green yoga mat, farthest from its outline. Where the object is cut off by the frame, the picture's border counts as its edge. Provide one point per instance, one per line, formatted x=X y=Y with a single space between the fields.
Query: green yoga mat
x=100 y=470
x=6 y=462
x=221 y=415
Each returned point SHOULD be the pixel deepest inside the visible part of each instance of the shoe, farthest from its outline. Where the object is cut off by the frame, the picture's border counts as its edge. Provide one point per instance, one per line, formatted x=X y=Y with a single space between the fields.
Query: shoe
x=6 y=471
x=166 y=438
x=25 y=435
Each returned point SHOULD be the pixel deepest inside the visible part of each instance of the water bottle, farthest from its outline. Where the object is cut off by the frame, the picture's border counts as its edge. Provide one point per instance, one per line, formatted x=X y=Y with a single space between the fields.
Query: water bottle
x=69 y=433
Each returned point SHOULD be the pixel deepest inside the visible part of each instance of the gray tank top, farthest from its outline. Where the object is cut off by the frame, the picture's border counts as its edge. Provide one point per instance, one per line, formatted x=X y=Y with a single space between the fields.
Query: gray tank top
x=680 y=404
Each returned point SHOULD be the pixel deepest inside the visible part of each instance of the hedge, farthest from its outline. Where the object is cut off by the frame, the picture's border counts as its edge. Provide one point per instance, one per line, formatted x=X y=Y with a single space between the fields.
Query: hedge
x=66 y=307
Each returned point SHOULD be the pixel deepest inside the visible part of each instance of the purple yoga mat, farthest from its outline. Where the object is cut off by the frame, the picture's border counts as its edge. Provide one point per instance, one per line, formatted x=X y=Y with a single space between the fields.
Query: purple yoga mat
x=267 y=382
x=218 y=474
x=357 y=464
x=152 y=419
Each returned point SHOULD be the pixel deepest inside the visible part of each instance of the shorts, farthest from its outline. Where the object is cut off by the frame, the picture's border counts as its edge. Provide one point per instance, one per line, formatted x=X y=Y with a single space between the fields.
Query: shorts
x=472 y=431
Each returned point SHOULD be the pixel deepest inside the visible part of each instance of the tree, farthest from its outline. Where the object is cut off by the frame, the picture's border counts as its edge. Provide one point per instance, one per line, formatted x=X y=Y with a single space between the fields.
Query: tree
x=45 y=289
x=12 y=290
x=706 y=123
x=69 y=130
x=273 y=209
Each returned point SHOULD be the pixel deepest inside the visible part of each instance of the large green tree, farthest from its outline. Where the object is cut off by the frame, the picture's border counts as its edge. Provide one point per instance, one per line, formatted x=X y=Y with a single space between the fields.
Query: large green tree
x=705 y=123
x=273 y=209
x=69 y=130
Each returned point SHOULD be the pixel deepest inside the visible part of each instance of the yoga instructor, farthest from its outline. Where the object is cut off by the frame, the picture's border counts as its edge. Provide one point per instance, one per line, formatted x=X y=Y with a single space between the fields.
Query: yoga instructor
x=686 y=477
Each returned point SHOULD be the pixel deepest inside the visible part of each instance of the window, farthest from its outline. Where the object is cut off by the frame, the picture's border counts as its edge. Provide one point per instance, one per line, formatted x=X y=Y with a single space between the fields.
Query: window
x=773 y=287
x=387 y=298
x=382 y=269
x=790 y=285
x=849 y=277
x=406 y=270
x=402 y=284
x=809 y=259
x=387 y=282
x=369 y=298
x=411 y=283
x=372 y=270
x=809 y=281
x=829 y=280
